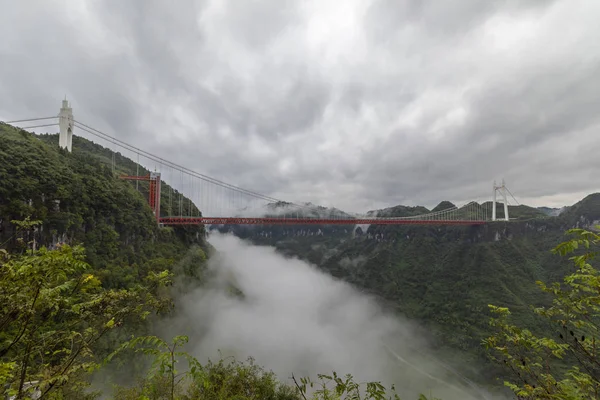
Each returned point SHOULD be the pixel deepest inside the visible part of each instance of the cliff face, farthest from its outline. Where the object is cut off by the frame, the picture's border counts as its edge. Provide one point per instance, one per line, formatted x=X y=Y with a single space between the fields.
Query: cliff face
x=80 y=199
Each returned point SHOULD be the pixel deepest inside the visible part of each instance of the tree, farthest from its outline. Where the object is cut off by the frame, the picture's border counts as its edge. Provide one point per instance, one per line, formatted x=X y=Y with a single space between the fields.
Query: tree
x=53 y=311
x=163 y=369
x=231 y=379
x=334 y=387
x=567 y=365
x=226 y=379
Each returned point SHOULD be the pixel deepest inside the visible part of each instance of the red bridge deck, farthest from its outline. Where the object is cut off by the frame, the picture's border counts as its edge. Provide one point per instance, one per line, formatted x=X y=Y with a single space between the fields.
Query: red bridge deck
x=308 y=221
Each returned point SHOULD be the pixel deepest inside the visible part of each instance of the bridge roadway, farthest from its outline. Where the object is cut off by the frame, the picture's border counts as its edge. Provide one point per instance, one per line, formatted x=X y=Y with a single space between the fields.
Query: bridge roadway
x=309 y=221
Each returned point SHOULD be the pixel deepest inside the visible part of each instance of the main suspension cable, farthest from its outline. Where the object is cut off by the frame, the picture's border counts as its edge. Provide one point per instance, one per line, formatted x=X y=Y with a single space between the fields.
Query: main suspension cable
x=29 y=119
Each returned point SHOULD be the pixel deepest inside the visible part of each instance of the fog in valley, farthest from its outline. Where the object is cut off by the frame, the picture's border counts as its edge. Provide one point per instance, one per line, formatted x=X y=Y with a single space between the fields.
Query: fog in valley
x=294 y=319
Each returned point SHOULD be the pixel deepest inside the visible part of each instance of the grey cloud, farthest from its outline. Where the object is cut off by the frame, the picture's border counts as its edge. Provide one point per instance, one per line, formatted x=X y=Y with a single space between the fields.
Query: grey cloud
x=159 y=35
x=440 y=19
x=359 y=111
x=257 y=24
x=385 y=16
x=519 y=114
x=297 y=107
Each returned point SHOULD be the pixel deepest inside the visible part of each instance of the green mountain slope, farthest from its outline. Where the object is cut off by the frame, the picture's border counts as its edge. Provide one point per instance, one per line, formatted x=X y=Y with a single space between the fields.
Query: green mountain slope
x=399 y=211
x=81 y=200
x=445 y=276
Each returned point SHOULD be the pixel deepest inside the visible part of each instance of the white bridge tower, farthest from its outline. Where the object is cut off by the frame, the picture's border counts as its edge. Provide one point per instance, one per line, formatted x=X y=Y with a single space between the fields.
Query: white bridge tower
x=502 y=189
x=65 y=122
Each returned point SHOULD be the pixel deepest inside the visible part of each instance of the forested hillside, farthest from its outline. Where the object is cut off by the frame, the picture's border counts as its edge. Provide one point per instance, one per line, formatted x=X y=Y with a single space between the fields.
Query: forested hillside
x=107 y=264
x=445 y=276
x=442 y=276
x=83 y=265
x=80 y=200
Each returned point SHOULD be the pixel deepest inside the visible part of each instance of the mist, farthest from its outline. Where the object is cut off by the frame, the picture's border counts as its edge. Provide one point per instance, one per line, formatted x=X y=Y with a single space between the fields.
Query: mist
x=294 y=319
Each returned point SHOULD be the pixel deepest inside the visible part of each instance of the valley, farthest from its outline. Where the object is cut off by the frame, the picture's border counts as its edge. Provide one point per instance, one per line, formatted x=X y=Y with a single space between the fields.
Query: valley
x=437 y=279
x=443 y=277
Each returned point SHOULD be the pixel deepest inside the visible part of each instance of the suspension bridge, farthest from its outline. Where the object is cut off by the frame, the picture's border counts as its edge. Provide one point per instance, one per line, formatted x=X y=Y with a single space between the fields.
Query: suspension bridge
x=180 y=196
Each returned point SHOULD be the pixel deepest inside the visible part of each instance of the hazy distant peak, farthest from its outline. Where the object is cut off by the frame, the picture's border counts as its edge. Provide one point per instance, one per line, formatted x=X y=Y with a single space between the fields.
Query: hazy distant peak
x=399 y=211
x=444 y=205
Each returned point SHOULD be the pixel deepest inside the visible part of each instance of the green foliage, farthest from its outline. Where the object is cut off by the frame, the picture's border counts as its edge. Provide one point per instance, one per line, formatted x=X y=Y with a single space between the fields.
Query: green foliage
x=49 y=197
x=400 y=211
x=333 y=387
x=79 y=199
x=163 y=367
x=54 y=310
x=172 y=201
x=538 y=362
x=520 y=212
x=212 y=381
x=445 y=276
x=444 y=205
x=230 y=379
x=584 y=211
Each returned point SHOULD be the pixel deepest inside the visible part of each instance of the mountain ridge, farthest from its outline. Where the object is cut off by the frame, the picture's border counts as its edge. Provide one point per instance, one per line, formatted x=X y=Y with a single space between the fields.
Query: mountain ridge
x=441 y=276
x=445 y=276
x=79 y=200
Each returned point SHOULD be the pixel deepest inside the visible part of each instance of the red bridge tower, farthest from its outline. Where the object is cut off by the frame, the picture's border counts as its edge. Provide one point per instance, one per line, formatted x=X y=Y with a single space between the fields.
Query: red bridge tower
x=153 y=190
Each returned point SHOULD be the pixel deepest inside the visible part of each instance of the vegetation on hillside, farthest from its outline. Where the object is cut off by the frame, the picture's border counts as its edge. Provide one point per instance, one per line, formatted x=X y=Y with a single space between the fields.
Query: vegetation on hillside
x=585 y=213
x=55 y=313
x=444 y=205
x=79 y=200
x=444 y=277
x=564 y=362
x=172 y=201
x=399 y=211
x=64 y=309
x=76 y=200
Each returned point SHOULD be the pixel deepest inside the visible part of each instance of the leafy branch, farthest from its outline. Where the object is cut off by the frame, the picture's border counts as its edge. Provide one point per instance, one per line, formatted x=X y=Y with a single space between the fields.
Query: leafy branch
x=575 y=310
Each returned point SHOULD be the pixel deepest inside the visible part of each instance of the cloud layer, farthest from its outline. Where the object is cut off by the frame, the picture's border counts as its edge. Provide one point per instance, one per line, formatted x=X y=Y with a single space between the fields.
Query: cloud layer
x=294 y=319
x=358 y=105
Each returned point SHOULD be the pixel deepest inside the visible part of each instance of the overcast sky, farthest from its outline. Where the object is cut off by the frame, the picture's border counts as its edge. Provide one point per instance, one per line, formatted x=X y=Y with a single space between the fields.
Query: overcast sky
x=358 y=103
